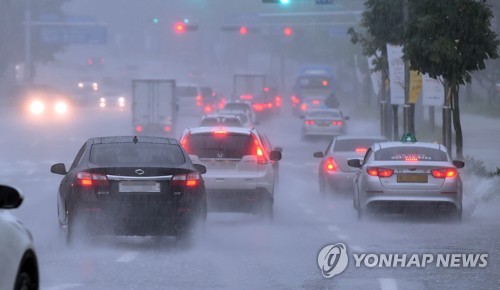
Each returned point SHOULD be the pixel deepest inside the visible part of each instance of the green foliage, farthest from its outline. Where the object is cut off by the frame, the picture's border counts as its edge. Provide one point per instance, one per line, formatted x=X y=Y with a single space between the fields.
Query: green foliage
x=450 y=38
x=495 y=173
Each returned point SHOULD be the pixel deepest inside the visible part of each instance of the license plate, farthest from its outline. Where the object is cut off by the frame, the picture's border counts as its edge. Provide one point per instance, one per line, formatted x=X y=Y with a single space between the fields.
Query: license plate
x=139 y=186
x=323 y=124
x=412 y=178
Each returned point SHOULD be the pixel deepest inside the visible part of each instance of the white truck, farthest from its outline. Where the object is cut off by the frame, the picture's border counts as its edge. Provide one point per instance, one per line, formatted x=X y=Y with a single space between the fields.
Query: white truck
x=154 y=107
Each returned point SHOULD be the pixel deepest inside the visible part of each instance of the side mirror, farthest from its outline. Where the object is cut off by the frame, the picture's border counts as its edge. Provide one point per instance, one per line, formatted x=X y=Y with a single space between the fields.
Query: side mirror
x=10 y=197
x=58 y=168
x=458 y=164
x=318 y=155
x=201 y=168
x=275 y=155
x=346 y=118
x=280 y=149
x=356 y=163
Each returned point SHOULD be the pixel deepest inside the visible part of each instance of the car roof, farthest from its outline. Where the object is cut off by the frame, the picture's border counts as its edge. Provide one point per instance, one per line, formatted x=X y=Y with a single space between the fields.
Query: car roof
x=324 y=110
x=130 y=139
x=237 y=130
x=437 y=146
x=216 y=116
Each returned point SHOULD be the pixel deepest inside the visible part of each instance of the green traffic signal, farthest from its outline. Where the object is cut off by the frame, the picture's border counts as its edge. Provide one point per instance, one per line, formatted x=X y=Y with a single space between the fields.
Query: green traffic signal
x=285 y=2
x=156 y=20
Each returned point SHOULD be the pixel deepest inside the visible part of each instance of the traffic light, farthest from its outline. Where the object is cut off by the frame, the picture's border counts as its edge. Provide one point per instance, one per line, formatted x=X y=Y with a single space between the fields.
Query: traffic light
x=180 y=27
x=155 y=20
x=284 y=2
x=288 y=31
x=243 y=30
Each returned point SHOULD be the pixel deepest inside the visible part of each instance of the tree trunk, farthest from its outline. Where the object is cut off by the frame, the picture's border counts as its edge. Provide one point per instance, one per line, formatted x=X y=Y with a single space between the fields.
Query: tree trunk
x=456 y=121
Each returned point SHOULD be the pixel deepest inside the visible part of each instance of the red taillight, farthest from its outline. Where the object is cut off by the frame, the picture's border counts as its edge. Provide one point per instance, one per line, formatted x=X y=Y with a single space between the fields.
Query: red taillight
x=269 y=105
x=277 y=100
x=220 y=132
x=316 y=102
x=138 y=128
x=188 y=180
x=199 y=103
x=361 y=150
x=380 y=172
x=258 y=107
x=337 y=123
x=324 y=83
x=444 y=172
x=295 y=100
x=246 y=97
x=184 y=142
x=303 y=107
x=208 y=109
x=330 y=164
x=168 y=128
x=261 y=155
x=198 y=98
x=411 y=158
x=89 y=179
x=310 y=122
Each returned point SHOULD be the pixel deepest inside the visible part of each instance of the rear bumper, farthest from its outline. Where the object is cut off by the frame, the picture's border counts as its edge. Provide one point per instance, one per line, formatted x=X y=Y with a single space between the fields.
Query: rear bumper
x=410 y=198
x=319 y=131
x=340 y=179
x=237 y=200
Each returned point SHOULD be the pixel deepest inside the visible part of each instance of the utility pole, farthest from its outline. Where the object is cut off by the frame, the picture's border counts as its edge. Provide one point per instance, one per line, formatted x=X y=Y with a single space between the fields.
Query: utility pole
x=407 y=114
x=447 y=118
x=383 y=105
x=27 y=43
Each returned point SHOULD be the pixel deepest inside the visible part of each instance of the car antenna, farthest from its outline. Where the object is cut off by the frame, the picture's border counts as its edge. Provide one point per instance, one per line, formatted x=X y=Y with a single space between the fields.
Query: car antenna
x=135 y=140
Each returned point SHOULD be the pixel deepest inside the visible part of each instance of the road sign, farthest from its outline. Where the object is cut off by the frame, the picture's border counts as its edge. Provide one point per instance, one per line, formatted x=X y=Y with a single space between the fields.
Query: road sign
x=433 y=91
x=396 y=73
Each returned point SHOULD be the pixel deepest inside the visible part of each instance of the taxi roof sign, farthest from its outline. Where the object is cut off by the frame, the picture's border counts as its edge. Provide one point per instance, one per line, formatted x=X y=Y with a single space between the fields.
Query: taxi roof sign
x=408 y=138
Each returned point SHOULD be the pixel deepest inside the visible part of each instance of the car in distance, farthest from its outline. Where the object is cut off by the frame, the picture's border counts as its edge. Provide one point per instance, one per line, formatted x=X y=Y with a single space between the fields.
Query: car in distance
x=324 y=122
x=396 y=176
x=130 y=186
x=221 y=120
x=240 y=175
x=334 y=172
x=43 y=101
x=18 y=260
x=112 y=101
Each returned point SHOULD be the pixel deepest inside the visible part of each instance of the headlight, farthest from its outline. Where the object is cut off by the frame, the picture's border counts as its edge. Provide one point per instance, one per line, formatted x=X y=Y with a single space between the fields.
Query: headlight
x=95 y=86
x=37 y=107
x=121 y=100
x=61 y=107
x=102 y=105
x=102 y=100
x=80 y=85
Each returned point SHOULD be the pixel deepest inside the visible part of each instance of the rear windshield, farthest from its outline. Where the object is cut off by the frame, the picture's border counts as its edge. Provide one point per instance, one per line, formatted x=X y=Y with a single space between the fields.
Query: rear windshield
x=186 y=92
x=316 y=101
x=324 y=114
x=153 y=154
x=410 y=154
x=230 y=122
x=354 y=145
x=314 y=82
x=211 y=145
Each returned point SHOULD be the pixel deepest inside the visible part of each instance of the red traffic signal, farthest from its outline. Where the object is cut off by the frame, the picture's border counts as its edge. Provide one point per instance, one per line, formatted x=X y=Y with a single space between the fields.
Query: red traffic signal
x=243 y=30
x=288 y=31
x=179 y=27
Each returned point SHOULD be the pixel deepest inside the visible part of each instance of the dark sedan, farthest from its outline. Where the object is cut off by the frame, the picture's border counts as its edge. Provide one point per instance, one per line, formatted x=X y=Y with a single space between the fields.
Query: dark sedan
x=130 y=186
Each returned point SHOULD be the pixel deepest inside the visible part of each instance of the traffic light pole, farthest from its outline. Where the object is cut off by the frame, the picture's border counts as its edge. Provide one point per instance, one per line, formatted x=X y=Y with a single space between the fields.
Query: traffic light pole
x=27 y=43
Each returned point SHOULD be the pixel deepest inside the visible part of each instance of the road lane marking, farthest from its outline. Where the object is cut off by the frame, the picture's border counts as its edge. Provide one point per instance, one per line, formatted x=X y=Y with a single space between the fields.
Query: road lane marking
x=388 y=284
x=127 y=257
x=63 y=287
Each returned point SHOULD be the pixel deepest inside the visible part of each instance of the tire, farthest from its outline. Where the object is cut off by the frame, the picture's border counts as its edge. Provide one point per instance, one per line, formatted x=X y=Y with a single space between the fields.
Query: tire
x=27 y=278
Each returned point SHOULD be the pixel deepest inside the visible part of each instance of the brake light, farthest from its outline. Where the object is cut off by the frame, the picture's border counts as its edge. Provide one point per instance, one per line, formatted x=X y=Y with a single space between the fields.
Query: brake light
x=330 y=164
x=380 y=172
x=278 y=101
x=295 y=100
x=269 y=105
x=444 y=172
x=316 y=102
x=188 y=180
x=198 y=98
x=220 y=132
x=208 y=109
x=258 y=107
x=184 y=141
x=303 y=107
x=266 y=89
x=411 y=158
x=361 y=150
x=168 y=128
x=138 y=128
x=337 y=123
x=86 y=179
x=246 y=97
x=261 y=156
x=310 y=122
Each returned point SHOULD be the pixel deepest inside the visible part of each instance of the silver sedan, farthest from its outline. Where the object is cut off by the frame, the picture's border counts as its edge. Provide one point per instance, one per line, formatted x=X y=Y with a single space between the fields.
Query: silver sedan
x=324 y=122
x=399 y=176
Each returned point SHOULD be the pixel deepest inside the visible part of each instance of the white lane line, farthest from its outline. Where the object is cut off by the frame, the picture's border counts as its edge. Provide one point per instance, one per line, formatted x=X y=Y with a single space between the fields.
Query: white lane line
x=343 y=237
x=357 y=249
x=63 y=287
x=127 y=257
x=388 y=284
x=332 y=228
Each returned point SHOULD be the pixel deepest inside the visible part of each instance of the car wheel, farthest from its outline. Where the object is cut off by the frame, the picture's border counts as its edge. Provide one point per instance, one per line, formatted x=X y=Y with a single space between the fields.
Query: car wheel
x=27 y=278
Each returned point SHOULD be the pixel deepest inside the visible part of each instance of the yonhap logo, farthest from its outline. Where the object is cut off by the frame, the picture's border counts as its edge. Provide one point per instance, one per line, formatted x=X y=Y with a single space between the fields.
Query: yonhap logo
x=333 y=260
